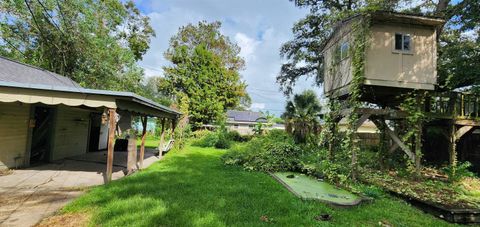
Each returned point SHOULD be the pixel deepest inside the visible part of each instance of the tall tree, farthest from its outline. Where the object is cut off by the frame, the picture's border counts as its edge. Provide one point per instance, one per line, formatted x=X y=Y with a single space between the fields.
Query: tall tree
x=205 y=67
x=456 y=52
x=302 y=115
x=94 y=42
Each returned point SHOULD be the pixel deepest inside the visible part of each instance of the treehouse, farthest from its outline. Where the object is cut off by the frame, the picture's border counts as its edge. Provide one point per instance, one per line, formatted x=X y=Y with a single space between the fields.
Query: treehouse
x=399 y=54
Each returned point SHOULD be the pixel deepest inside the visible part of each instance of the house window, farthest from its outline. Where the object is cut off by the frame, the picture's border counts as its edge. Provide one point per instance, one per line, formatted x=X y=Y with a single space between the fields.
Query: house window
x=344 y=50
x=341 y=52
x=235 y=126
x=402 y=42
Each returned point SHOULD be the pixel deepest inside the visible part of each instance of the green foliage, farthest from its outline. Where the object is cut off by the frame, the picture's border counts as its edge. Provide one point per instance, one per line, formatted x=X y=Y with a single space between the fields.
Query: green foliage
x=96 y=43
x=302 y=116
x=218 y=139
x=274 y=151
x=457 y=173
x=205 y=67
x=205 y=138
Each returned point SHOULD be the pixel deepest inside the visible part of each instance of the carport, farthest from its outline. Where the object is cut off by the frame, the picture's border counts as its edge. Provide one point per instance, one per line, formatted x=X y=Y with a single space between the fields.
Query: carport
x=45 y=117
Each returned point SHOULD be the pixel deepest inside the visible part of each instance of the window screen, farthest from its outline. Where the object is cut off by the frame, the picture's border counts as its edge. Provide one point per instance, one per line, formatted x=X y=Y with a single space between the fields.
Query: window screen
x=398 y=41
x=406 y=42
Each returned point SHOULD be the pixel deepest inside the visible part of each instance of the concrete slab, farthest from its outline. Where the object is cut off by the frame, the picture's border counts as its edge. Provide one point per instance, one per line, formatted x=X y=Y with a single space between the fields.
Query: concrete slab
x=29 y=195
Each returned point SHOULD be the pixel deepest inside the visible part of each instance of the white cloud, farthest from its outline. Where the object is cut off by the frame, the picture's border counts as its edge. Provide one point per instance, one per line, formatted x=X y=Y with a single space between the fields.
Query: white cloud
x=258 y=27
x=257 y=106
x=247 y=46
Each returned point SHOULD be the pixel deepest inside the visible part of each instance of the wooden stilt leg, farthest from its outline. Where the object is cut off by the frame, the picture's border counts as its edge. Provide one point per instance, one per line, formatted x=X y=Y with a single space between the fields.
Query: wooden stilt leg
x=144 y=136
x=162 y=139
x=111 y=142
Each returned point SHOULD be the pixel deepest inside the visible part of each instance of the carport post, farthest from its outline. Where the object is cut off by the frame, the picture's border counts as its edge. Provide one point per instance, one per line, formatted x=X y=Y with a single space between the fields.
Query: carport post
x=144 y=136
x=162 y=139
x=112 y=124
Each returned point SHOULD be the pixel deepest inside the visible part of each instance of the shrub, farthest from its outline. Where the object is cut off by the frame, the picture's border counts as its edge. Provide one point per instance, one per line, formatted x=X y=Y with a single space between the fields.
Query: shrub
x=223 y=141
x=218 y=139
x=205 y=138
x=234 y=136
x=274 y=151
x=459 y=172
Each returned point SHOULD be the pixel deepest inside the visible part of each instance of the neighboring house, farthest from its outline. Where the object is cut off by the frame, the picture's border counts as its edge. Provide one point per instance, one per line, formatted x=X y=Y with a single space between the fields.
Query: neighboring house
x=244 y=121
x=46 y=117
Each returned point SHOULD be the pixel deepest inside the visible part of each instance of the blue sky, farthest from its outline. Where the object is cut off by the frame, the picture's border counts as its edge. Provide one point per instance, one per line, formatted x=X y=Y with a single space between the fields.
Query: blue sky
x=259 y=27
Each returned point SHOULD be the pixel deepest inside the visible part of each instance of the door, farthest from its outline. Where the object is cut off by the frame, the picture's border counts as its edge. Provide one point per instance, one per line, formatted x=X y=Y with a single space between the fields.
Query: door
x=41 y=135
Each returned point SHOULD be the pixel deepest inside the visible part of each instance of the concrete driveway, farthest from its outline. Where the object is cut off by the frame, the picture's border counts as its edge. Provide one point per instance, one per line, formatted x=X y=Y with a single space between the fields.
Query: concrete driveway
x=29 y=195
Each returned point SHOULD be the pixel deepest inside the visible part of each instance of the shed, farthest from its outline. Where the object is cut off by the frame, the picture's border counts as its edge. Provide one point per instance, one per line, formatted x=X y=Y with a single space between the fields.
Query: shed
x=46 y=117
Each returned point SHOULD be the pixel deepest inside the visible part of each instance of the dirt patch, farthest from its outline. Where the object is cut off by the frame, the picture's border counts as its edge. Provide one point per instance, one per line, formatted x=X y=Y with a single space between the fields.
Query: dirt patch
x=66 y=220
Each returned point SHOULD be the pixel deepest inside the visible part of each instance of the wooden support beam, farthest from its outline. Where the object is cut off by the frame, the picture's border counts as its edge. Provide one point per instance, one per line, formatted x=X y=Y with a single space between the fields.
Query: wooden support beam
x=360 y=121
x=468 y=122
x=395 y=139
x=392 y=148
x=462 y=131
x=144 y=136
x=162 y=139
x=112 y=124
x=174 y=125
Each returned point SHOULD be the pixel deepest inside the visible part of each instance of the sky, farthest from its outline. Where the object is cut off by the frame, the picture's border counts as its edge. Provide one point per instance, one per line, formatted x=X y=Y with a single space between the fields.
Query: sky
x=259 y=27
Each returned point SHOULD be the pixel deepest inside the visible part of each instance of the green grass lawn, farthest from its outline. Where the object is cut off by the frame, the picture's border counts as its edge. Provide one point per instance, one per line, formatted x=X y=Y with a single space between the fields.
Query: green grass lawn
x=150 y=142
x=193 y=188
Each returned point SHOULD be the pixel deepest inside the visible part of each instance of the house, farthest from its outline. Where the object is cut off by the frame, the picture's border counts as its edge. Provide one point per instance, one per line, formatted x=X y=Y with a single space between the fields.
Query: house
x=400 y=55
x=46 y=117
x=244 y=121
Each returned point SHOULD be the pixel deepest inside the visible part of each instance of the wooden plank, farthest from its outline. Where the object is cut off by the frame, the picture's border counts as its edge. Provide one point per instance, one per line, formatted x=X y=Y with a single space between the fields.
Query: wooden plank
x=395 y=139
x=393 y=148
x=162 y=138
x=360 y=121
x=468 y=122
x=111 y=142
x=132 y=155
x=144 y=136
x=462 y=131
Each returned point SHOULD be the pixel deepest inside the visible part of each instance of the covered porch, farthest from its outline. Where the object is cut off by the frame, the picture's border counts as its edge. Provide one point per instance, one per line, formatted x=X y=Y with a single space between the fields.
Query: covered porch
x=45 y=124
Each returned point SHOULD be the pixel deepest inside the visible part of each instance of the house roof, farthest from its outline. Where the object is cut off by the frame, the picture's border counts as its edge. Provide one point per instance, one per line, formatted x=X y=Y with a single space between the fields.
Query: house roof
x=17 y=72
x=29 y=84
x=245 y=116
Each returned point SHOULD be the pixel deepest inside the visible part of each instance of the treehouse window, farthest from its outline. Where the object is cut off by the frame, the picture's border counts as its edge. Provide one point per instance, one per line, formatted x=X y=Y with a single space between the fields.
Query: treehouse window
x=344 y=50
x=341 y=52
x=402 y=42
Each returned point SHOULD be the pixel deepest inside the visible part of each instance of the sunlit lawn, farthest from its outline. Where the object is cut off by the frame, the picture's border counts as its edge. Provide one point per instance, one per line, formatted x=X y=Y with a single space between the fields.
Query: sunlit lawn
x=150 y=142
x=193 y=188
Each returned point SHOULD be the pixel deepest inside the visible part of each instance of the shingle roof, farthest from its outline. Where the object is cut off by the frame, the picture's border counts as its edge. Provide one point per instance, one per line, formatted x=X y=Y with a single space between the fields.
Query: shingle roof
x=19 y=75
x=245 y=116
x=16 y=72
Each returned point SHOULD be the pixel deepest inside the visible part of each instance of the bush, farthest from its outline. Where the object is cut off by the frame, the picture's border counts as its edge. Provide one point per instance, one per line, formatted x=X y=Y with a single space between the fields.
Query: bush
x=223 y=141
x=274 y=151
x=458 y=173
x=205 y=138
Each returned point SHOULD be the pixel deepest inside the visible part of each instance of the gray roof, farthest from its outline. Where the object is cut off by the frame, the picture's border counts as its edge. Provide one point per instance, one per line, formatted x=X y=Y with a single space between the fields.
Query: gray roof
x=13 y=71
x=14 y=74
x=245 y=116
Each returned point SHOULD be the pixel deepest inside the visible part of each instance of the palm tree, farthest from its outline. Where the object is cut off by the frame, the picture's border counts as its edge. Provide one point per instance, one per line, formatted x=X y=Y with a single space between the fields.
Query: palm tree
x=302 y=115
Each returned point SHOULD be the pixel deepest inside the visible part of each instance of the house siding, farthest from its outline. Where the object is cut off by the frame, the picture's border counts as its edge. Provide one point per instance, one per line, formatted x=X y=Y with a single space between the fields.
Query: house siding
x=70 y=133
x=13 y=134
x=416 y=69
